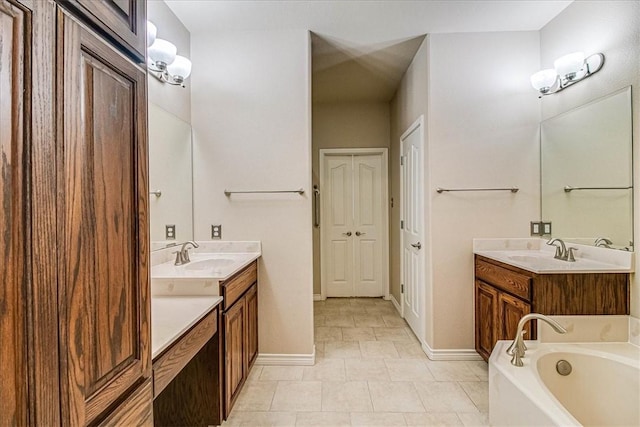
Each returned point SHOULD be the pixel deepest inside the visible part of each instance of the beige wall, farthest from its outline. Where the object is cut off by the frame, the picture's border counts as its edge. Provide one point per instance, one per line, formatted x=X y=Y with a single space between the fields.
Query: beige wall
x=613 y=28
x=482 y=131
x=173 y=99
x=252 y=131
x=345 y=125
x=408 y=104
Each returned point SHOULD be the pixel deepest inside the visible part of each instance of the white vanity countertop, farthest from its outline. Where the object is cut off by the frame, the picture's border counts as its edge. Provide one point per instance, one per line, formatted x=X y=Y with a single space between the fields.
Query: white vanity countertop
x=535 y=255
x=173 y=316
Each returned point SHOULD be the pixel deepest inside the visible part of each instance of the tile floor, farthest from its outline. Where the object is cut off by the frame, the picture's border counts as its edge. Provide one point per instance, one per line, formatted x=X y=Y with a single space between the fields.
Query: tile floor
x=369 y=371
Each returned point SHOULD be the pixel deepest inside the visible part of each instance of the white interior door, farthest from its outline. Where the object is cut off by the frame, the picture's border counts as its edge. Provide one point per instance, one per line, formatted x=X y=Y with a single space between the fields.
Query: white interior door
x=412 y=237
x=353 y=225
x=337 y=226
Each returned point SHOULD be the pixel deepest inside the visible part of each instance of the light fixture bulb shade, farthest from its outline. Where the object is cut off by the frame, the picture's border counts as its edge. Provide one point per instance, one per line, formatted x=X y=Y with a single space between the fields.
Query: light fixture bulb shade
x=162 y=51
x=180 y=67
x=544 y=79
x=152 y=31
x=568 y=66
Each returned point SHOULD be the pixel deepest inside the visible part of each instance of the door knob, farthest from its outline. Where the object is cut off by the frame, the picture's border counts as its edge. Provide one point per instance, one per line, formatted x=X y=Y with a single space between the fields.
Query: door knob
x=360 y=234
x=417 y=245
x=348 y=234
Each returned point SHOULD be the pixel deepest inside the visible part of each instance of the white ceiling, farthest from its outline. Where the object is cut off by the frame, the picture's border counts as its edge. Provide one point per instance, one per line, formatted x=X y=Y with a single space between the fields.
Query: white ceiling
x=362 y=48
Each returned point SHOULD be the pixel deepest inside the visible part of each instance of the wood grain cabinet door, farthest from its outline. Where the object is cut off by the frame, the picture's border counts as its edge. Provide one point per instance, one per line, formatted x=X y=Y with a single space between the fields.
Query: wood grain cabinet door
x=125 y=21
x=252 y=325
x=235 y=352
x=102 y=225
x=510 y=311
x=486 y=318
x=14 y=51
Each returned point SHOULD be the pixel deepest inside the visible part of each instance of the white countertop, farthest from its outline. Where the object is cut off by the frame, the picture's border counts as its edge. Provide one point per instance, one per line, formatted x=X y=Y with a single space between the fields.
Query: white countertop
x=536 y=256
x=173 y=316
x=205 y=265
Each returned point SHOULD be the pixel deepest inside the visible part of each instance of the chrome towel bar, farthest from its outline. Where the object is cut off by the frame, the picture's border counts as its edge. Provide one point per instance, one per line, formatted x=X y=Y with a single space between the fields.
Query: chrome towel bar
x=442 y=190
x=569 y=189
x=228 y=193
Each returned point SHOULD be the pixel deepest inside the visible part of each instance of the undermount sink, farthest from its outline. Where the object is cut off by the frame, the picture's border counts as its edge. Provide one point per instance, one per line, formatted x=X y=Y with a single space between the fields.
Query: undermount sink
x=210 y=264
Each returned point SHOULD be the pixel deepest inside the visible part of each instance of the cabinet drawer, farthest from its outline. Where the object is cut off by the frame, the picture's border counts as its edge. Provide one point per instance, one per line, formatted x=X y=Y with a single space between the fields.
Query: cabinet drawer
x=136 y=410
x=507 y=280
x=233 y=288
x=169 y=364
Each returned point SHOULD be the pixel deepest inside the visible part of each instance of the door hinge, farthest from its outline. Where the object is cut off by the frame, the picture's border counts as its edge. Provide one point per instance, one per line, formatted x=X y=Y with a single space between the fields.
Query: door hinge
x=401 y=160
x=402 y=289
x=402 y=225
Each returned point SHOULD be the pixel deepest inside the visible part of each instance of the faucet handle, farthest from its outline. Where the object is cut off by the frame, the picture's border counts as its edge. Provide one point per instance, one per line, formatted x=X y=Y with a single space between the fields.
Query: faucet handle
x=570 y=256
x=179 y=259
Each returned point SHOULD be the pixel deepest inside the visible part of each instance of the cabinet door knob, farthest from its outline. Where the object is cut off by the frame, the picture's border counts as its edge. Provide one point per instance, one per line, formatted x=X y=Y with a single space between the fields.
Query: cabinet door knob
x=417 y=245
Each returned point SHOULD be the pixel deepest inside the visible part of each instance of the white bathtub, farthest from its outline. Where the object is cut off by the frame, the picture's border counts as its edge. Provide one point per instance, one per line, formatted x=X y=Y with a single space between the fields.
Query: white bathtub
x=603 y=388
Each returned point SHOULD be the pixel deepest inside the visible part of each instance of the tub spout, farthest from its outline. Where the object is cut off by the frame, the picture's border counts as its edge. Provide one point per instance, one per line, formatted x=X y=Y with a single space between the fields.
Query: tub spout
x=517 y=347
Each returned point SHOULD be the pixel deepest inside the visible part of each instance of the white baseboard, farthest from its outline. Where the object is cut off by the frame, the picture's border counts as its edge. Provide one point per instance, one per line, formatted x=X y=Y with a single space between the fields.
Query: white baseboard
x=454 y=354
x=396 y=304
x=287 y=359
x=318 y=297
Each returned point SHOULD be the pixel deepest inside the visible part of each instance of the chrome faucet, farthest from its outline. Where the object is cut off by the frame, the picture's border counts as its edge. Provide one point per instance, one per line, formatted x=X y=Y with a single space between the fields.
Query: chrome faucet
x=517 y=347
x=182 y=256
x=603 y=242
x=562 y=253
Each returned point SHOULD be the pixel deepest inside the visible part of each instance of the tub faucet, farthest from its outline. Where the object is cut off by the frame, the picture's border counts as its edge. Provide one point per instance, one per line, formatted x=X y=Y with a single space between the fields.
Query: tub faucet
x=182 y=256
x=517 y=347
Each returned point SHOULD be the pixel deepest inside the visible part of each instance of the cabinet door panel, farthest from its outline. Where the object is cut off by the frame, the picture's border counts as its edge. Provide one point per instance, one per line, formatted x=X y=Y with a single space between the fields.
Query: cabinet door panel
x=486 y=318
x=235 y=352
x=510 y=311
x=252 y=325
x=103 y=217
x=123 y=20
x=14 y=52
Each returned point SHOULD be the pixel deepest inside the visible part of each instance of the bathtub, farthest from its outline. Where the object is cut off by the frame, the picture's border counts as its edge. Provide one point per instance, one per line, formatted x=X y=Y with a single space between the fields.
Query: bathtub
x=603 y=388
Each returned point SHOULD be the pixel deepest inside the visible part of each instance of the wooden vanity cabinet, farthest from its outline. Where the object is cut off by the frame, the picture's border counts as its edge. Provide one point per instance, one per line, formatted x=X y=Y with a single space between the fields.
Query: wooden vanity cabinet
x=239 y=331
x=503 y=294
x=122 y=21
x=75 y=344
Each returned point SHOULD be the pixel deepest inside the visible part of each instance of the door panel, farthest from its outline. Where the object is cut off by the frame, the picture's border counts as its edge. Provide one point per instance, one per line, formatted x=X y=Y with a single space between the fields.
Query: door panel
x=13 y=54
x=252 y=324
x=486 y=318
x=236 y=351
x=104 y=283
x=510 y=311
x=368 y=226
x=412 y=235
x=338 y=212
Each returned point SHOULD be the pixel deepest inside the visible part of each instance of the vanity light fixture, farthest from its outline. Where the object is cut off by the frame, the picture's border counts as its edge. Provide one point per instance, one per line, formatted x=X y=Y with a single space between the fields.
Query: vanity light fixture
x=567 y=70
x=163 y=62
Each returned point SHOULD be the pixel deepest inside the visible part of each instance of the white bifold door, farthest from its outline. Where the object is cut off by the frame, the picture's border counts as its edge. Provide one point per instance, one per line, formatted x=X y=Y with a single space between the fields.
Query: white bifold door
x=354 y=224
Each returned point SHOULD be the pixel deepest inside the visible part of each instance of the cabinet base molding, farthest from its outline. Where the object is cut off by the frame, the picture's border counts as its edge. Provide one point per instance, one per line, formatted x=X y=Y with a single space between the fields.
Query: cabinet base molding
x=450 y=354
x=287 y=359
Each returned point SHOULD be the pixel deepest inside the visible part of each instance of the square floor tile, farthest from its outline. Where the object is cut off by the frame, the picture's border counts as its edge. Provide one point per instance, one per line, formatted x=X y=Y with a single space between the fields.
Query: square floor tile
x=451 y=371
x=256 y=396
x=281 y=373
x=378 y=349
x=368 y=320
x=433 y=419
x=478 y=392
x=391 y=334
x=264 y=419
x=325 y=370
x=342 y=349
x=398 y=396
x=444 y=397
x=358 y=334
x=366 y=369
x=408 y=370
x=393 y=321
x=333 y=419
x=297 y=396
x=377 y=419
x=471 y=419
x=325 y=333
x=339 y=320
x=349 y=396
x=410 y=350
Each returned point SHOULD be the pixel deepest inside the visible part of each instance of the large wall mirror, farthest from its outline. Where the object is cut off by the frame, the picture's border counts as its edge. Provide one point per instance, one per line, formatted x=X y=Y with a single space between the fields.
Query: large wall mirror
x=170 y=177
x=587 y=177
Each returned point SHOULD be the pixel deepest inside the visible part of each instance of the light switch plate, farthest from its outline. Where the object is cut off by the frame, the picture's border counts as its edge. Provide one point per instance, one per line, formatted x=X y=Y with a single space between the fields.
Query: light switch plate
x=535 y=228
x=216 y=231
x=546 y=227
x=170 y=231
